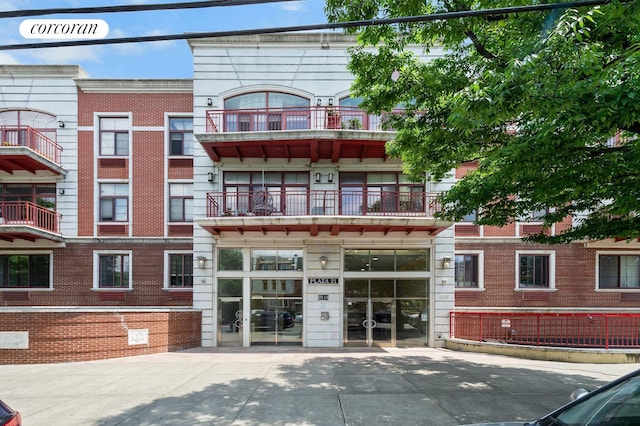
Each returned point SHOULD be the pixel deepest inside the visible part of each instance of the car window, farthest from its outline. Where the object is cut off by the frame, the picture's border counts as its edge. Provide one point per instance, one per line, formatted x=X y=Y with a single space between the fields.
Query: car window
x=618 y=406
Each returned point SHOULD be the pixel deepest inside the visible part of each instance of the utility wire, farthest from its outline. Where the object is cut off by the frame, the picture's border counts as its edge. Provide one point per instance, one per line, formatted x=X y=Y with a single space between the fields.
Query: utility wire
x=330 y=26
x=133 y=7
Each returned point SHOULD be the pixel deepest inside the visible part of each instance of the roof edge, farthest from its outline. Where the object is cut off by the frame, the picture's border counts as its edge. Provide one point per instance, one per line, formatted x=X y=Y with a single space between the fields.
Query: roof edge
x=60 y=71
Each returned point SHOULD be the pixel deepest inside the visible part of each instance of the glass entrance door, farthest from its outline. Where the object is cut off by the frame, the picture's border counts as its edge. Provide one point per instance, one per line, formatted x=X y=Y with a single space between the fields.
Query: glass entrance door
x=383 y=323
x=230 y=312
x=369 y=322
x=386 y=312
x=276 y=312
x=230 y=321
x=356 y=322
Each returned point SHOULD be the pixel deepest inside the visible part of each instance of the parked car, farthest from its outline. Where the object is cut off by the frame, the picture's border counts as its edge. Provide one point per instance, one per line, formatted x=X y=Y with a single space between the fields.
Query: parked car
x=272 y=320
x=614 y=404
x=9 y=416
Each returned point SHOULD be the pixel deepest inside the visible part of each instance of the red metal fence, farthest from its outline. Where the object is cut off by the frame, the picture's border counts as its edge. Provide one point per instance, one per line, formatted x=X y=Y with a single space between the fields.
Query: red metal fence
x=29 y=214
x=31 y=138
x=304 y=202
x=293 y=118
x=595 y=330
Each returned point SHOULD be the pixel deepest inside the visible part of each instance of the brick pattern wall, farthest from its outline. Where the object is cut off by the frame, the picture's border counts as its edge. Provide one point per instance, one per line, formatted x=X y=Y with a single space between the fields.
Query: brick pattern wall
x=147 y=152
x=73 y=278
x=575 y=279
x=85 y=336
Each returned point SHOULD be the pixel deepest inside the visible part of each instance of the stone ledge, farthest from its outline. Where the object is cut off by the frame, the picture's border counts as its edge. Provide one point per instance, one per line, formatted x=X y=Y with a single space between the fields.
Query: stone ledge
x=576 y=355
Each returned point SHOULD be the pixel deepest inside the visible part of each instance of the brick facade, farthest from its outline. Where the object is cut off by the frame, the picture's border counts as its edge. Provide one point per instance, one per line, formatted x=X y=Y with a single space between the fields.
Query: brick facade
x=89 y=335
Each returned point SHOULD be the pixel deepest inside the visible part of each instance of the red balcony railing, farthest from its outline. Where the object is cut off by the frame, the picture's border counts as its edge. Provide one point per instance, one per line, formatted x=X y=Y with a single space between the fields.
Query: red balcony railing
x=29 y=214
x=293 y=118
x=303 y=202
x=549 y=329
x=31 y=138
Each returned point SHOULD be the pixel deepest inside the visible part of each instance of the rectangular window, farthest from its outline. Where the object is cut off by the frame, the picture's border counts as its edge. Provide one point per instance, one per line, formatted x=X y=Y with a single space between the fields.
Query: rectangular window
x=180 y=270
x=114 y=136
x=229 y=259
x=359 y=260
x=466 y=271
x=180 y=136
x=619 y=271
x=114 y=202
x=113 y=271
x=534 y=271
x=25 y=271
x=180 y=202
x=378 y=192
x=276 y=260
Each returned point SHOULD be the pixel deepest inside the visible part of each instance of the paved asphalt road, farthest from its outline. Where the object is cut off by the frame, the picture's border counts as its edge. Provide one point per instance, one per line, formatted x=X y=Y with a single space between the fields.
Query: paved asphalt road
x=296 y=386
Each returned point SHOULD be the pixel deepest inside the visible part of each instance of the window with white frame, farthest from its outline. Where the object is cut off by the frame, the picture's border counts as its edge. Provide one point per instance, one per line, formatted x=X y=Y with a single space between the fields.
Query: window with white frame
x=114 y=136
x=180 y=270
x=180 y=136
x=114 y=202
x=534 y=216
x=618 y=271
x=113 y=270
x=25 y=271
x=230 y=259
x=469 y=270
x=276 y=260
x=180 y=202
x=535 y=270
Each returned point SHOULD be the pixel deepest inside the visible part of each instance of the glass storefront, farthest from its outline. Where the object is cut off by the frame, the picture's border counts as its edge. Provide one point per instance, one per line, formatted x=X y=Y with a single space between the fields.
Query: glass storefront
x=276 y=311
x=385 y=312
x=385 y=301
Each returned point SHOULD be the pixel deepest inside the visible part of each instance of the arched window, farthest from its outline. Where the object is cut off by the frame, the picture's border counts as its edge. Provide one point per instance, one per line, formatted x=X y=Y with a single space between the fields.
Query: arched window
x=11 y=121
x=260 y=111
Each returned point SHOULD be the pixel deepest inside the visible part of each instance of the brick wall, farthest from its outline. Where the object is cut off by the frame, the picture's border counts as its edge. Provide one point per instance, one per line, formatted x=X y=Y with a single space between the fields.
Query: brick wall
x=575 y=279
x=147 y=154
x=73 y=278
x=85 y=335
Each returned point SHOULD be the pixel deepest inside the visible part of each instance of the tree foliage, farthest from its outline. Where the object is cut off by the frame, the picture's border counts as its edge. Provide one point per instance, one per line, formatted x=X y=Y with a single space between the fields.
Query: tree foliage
x=546 y=103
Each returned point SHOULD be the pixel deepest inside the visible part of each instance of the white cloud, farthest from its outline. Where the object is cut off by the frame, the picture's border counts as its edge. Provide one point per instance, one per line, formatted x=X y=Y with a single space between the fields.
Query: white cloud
x=293 y=6
x=11 y=5
x=6 y=59
x=66 y=55
x=139 y=48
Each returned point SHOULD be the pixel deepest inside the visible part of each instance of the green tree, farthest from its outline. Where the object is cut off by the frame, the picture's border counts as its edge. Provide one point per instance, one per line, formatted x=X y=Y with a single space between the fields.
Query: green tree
x=547 y=103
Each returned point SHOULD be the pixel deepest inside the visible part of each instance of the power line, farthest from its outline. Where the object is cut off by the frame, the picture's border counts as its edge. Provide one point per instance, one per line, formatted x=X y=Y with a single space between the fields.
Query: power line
x=133 y=7
x=326 y=26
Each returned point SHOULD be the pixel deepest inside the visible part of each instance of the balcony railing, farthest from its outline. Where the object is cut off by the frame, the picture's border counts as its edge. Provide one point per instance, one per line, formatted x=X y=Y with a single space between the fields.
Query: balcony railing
x=293 y=118
x=303 y=202
x=29 y=214
x=31 y=138
x=549 y=329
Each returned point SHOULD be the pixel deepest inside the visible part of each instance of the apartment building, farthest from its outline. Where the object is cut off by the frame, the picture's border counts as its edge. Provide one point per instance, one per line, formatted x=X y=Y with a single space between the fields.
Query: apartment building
x=95 y=258
x=251 y=205
x=300 y=212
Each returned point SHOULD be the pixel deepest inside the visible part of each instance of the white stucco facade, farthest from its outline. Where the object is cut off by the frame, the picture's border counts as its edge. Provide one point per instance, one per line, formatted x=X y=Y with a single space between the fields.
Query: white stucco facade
x=311 y=66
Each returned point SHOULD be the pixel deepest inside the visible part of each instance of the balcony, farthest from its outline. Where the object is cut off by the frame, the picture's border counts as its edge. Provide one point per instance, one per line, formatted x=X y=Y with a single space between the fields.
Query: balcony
x=28 y=221
x=23 y=148
x=313 y=212
x=315 y=133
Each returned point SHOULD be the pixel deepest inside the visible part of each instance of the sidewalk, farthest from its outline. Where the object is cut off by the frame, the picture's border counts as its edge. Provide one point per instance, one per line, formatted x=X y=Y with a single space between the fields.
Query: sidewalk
x=296 y=386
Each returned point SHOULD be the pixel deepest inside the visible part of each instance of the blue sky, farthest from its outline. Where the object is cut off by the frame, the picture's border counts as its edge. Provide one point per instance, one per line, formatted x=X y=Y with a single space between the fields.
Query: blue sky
x=167 y=59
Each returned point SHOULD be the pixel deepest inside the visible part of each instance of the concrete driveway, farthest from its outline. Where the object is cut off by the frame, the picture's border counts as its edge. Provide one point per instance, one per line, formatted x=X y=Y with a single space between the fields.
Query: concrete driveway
x=296 y=386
